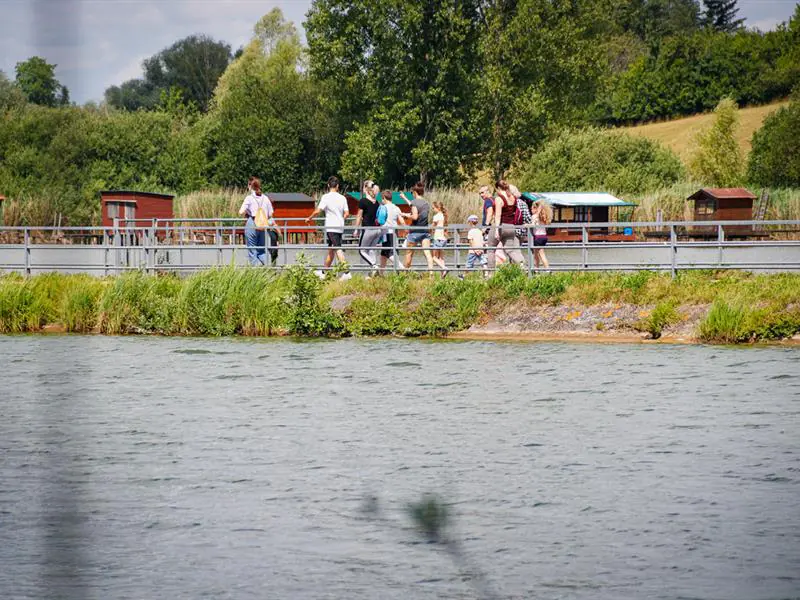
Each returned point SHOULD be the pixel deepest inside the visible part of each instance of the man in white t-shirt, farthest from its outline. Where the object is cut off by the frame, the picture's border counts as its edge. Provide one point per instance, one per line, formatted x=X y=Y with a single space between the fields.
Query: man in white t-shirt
x=334 y=205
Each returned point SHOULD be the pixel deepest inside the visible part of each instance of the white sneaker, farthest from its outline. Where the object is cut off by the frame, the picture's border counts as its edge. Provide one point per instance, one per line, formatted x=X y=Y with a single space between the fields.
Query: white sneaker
x=345 y=277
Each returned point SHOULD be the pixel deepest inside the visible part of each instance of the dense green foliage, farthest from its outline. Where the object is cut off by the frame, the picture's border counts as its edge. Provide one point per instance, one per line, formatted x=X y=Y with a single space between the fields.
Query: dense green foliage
x=232 y=301
x=717 y=159
x=36 y=79
x=191 y=65
x=775 y=157
x=689 y=73
x=61 y=157
x=596 y=159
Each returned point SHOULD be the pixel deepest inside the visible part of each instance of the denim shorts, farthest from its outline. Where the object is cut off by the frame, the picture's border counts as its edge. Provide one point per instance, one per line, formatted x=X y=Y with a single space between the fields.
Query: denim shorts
x=439 y=244
x=473 y=258
x=416 y=237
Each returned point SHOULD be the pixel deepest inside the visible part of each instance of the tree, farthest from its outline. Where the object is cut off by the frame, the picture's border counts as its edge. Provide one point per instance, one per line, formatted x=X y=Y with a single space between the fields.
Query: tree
x=541 y=66
x=775 y=157
x=36 y=78
x=267 y=118
x=192 y=65
x=720 y=15
x=10 y=94
x=653 y=20
x=401 y=75
x=717 y=159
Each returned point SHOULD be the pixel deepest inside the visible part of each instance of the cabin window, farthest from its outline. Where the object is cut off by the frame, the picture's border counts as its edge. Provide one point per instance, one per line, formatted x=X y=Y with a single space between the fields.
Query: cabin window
x=705 y=208
x=113 y=210
x=130 y=211
x=581 y=214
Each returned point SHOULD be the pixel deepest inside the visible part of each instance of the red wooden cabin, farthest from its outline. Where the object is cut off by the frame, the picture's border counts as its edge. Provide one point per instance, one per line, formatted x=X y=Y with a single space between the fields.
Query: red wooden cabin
x=129 y=205
x=723 y=204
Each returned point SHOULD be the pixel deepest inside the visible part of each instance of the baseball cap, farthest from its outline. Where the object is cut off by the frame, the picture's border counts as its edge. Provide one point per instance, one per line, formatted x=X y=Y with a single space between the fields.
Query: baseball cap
x=472 y=218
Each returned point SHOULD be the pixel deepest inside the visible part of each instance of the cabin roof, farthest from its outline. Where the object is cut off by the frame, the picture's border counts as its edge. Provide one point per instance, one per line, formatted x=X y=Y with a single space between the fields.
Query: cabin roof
x=720 y=193
x=577 y=198
x=104 y=193
x=397 y=197
x=289 y=197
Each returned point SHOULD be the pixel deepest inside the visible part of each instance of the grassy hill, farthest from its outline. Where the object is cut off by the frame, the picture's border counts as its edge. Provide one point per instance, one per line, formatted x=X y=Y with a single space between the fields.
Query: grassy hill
x=678 y=134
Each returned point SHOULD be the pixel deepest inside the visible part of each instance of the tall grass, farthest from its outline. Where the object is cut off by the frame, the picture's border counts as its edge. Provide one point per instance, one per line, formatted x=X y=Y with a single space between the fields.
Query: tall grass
x=209 y=204
x=230 y=301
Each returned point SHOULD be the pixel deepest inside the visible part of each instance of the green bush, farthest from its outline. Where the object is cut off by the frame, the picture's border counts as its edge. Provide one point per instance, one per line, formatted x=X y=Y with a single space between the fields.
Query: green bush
x=775 y=157
x=663 y=315
x=306 y=313
x=601 y=160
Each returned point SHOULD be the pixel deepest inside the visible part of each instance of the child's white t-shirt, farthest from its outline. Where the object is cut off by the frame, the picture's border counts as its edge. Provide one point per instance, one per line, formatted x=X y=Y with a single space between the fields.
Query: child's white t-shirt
x=475 y=237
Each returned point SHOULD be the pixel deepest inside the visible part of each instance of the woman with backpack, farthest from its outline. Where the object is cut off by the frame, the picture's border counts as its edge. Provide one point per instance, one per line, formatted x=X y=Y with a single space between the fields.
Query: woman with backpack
x=258 y=210
x=506 y=217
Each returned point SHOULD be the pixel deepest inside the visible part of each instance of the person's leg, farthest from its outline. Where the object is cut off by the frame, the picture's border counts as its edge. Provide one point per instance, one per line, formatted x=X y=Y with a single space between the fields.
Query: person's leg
x=511 y=246
x=251 y=239
x=491 y=245
x=543 y=258
x=362 y=248
x=273 y=246
x=370 y=241
x=426 y=250
x=409 y=253
x=261 y=250
x=471 y=259
x=386 y=251
x=437 y=258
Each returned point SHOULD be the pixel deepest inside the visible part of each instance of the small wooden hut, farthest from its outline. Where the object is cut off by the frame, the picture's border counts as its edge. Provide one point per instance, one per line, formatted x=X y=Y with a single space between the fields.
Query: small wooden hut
x=135 y=208
x=723 y=204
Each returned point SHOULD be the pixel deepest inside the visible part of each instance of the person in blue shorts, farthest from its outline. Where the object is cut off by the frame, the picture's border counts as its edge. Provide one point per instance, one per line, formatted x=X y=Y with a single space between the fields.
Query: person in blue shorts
x=420 y=235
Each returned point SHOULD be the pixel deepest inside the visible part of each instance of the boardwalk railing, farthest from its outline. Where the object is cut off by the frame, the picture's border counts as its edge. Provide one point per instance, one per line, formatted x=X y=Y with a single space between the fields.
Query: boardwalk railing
x=183 y=245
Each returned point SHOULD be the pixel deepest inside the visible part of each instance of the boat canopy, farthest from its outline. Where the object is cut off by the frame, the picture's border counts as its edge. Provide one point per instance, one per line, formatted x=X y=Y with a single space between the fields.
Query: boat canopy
x=576 y=198
x=397 y=197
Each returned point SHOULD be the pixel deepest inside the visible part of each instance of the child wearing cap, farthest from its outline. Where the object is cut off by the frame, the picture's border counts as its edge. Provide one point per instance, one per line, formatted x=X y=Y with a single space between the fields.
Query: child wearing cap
x=475 y=237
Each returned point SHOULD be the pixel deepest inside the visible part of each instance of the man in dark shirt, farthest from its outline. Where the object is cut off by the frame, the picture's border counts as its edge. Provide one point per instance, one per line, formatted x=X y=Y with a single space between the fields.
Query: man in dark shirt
x=488 y=205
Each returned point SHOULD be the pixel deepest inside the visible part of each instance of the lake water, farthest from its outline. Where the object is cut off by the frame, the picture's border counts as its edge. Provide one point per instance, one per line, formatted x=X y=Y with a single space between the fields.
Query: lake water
x=191 y=468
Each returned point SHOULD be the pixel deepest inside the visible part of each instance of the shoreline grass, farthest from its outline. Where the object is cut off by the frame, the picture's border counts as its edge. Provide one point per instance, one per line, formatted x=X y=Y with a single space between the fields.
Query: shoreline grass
x=737 y=307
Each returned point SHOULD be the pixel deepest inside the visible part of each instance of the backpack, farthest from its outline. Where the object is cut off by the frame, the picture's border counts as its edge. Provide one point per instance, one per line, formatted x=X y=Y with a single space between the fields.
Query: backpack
x=261 y=219
x=382 y=215
x=518 y=217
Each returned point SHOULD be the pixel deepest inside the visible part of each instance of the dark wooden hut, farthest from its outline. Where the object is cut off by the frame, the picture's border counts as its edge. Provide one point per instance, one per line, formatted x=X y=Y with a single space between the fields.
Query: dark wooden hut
x=136 y=208
x=723 y=204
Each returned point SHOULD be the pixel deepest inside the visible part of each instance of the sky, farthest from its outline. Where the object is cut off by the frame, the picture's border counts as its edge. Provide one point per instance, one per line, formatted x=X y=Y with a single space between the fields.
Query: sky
x=98 y=43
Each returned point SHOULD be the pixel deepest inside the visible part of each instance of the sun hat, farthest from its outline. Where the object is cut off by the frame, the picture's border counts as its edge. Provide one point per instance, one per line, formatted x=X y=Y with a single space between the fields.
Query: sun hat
x=472 y=218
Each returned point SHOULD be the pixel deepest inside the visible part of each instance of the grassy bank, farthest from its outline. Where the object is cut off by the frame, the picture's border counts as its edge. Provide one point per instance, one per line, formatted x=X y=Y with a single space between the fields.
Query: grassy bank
x=729 y=307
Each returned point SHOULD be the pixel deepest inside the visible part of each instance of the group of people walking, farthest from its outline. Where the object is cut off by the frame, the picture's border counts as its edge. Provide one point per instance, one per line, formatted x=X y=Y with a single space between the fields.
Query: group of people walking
x=507 y=219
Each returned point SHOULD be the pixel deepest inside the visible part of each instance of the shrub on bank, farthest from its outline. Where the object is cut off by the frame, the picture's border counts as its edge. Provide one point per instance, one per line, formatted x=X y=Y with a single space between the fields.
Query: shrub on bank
x=602 y=160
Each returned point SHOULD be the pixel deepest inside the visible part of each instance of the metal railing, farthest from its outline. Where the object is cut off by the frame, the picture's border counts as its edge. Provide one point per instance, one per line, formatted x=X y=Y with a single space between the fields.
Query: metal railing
x=181 y=245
